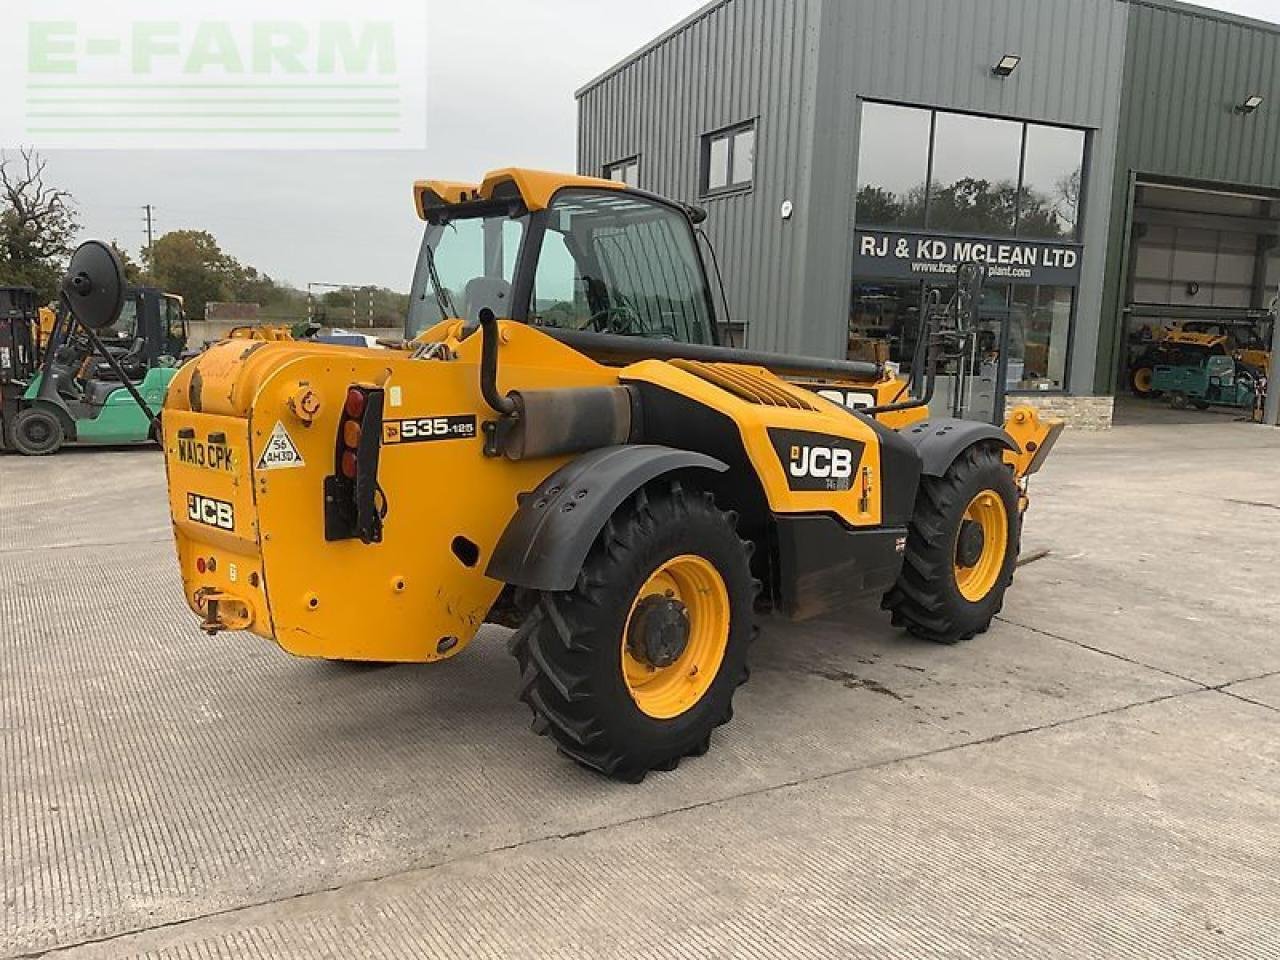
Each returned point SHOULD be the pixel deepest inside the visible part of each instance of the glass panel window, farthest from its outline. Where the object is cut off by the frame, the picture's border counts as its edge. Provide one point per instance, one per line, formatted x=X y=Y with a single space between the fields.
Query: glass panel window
x=1039 y=328
x=893 y=165
x=559 y=291
x=718 y=164
x=621 y=265
x=974 y=187
x=125 y=329
x=175 y=327
x=624 y=171
x=729 y=159
x=465 y=265
x=885 y=321
x=744 y=156
x=1049 y=207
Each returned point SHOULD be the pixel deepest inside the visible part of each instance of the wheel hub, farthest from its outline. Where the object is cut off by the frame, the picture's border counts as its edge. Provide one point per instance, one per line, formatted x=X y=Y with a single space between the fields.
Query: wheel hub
x=659 y=631
x=970 y=544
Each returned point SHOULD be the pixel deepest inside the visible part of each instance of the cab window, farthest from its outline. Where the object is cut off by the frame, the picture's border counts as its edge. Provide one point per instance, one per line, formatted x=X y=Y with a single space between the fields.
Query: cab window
x=620 y=264
x=125 y=329
x=175 y=325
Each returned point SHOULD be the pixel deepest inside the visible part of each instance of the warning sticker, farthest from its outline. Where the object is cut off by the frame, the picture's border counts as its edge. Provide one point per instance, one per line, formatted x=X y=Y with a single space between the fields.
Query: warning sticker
x=280 y=453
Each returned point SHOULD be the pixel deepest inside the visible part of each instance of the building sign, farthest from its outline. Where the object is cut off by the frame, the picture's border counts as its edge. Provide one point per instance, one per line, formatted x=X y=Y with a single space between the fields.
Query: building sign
x=893 y=254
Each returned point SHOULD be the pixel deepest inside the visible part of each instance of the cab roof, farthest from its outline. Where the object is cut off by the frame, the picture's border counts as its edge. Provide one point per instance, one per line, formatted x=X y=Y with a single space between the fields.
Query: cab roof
x=535 y=188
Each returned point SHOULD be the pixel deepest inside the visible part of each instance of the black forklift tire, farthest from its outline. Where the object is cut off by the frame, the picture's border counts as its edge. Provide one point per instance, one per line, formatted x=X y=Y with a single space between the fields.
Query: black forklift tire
x=578 y=652
x=940 y=596
x=1178 y=400
x=36 y=432
x=1201 y=404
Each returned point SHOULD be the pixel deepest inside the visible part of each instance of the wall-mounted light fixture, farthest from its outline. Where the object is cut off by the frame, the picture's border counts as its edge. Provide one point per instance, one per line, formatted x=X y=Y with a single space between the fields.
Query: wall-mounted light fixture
x=1006 y=65
x=1250 y=105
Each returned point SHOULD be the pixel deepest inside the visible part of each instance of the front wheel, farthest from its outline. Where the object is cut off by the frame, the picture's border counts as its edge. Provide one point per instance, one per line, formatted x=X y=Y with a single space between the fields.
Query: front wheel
x=961 y=550
x=635 y=667
x=36 y=432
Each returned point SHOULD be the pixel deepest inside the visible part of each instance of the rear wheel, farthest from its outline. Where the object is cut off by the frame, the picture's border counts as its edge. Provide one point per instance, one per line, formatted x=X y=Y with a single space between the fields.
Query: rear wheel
x=36 y=432
x=962 y=546
x=1140 y=381
x=632 y=669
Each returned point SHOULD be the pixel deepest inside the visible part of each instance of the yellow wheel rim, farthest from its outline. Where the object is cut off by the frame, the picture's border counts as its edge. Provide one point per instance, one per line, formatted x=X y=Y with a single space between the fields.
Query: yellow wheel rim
x=977 y=579
x=1142 y=380
x=664 y=692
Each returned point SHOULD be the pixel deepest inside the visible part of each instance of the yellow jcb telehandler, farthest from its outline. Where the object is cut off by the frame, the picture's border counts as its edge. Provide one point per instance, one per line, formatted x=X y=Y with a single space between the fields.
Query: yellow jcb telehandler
x=565 y=449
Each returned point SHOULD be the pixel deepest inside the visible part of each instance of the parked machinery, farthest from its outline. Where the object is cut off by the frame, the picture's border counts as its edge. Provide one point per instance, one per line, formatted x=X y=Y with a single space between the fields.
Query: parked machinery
x=90 y=386
x=1188 y=342
x=566 y=450
x=1212 y=379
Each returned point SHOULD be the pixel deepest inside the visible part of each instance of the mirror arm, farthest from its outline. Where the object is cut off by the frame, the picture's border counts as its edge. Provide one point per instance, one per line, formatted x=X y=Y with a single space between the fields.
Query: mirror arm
x=112 y=362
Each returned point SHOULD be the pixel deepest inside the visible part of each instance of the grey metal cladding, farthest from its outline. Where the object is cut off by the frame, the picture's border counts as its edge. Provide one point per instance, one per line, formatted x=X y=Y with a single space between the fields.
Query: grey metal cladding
x=800 y=67
x=1187 y=72
x=733 y=61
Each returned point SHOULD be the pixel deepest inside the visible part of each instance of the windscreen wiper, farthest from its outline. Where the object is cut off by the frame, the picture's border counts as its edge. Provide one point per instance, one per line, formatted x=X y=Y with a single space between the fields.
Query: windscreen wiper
x=443 y=300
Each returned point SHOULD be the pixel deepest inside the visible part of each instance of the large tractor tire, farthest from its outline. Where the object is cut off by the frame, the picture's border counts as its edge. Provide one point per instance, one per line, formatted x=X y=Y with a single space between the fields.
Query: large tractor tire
x=962 y=547
x=635 y=667
x=36 y=432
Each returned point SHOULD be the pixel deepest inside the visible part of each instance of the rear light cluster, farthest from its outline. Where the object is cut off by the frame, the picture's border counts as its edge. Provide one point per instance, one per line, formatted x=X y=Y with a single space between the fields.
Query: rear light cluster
x=354 y=503
x=206 y=566
x=352 y=432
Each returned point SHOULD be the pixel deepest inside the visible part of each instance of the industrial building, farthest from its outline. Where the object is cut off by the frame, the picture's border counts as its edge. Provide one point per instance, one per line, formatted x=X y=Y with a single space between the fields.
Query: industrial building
x=1115 y=163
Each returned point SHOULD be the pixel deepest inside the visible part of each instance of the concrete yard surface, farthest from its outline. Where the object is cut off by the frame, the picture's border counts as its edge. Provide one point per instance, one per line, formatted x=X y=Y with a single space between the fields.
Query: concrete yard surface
x=1097 y=776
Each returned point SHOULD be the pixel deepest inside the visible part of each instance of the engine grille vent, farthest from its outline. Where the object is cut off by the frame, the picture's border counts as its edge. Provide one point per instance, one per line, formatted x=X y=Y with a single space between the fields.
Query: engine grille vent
x=743 y=382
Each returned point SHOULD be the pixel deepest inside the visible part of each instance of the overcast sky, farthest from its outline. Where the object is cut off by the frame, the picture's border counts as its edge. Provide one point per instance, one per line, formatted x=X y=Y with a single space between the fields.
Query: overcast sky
x=502 y=76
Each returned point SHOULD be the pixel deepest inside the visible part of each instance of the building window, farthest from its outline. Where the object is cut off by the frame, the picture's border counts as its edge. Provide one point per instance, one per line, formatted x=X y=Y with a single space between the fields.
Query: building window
x=624 y=171
x=729 y=159
x=1039 y=330
x=959 y=173
x=1052 y=178
x=934 y=171
x=893 y=165
x=973 y=185
x=884 y=324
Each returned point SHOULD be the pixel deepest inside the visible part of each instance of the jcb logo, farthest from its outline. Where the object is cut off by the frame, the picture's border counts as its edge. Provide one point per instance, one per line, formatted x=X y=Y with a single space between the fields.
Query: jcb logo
x=816 y=461
x=822 y=463
x=210 y=512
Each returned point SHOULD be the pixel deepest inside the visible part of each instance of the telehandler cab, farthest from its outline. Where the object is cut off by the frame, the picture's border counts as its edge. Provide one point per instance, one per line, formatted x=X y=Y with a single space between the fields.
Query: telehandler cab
x=565 y=449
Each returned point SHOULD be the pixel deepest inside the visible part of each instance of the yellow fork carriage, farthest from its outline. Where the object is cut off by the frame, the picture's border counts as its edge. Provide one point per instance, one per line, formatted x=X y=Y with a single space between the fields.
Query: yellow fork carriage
x=565 y=450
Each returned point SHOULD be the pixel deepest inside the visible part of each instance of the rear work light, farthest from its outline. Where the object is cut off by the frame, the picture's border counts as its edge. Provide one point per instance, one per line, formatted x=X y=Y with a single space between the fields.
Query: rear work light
x=354 y=504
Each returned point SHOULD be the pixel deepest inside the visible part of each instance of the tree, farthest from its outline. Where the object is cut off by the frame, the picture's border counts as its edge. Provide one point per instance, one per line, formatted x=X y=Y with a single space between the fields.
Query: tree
x=882 y=207
x=37 y=225
x=190 y=263
x=972 y=205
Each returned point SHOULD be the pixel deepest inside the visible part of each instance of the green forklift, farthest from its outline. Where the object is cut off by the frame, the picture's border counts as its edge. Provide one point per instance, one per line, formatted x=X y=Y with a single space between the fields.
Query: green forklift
x=1211 y=380
x=97 y=387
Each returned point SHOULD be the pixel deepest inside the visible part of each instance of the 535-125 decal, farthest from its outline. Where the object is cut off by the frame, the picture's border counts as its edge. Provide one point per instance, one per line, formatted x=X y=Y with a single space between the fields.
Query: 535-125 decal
x=426 y=429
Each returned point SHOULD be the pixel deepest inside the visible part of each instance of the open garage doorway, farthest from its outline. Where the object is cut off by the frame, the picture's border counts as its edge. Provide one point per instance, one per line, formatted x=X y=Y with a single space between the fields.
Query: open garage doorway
x=1203 y=276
